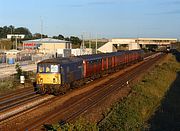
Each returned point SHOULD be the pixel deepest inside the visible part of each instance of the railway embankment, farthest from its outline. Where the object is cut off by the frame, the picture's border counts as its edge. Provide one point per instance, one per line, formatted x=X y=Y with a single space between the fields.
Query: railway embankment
x=141 y=107
x=146 y=98
x=166 y=117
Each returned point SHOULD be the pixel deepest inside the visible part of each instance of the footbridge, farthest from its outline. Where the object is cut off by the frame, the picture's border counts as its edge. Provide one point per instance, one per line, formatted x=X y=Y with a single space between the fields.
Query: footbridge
x=134 y=43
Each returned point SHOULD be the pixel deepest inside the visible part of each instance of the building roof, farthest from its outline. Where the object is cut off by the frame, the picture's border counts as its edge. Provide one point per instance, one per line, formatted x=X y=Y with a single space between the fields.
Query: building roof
x=46 y=40
x=13 y=51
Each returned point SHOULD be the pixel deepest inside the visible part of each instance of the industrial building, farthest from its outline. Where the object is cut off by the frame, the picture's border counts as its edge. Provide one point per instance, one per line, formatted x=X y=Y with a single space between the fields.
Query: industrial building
x=134 y=43
x=79 y=51
x=74 y=52
x=47 y=45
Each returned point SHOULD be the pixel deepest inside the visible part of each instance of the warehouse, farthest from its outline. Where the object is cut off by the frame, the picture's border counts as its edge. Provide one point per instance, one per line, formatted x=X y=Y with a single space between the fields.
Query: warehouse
x=46 y=45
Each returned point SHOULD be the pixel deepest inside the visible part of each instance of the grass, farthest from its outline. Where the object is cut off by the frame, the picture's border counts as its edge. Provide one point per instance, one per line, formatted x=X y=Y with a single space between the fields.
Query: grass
x=134 y=112
x=13 y=82
x=6 y=86
x=79 y=125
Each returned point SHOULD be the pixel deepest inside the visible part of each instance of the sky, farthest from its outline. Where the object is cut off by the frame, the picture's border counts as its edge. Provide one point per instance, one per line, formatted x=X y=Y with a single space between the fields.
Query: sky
x=91 y=18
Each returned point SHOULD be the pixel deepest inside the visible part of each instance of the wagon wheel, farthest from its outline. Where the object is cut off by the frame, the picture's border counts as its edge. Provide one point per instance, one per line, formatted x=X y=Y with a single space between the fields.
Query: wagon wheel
x=55 y=90
x=75 y=84
x=65 y=88
x=56 y=93
x=43 y=90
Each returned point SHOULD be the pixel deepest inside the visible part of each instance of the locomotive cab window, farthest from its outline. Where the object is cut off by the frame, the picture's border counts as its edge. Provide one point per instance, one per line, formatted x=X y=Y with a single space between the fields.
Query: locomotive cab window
x=47 y=68
x=54 y=68
x=40 y=68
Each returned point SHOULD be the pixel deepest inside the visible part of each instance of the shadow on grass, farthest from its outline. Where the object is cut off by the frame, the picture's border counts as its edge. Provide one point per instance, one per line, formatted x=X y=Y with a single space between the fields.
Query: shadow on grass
x=176 y=53
x=167 y=117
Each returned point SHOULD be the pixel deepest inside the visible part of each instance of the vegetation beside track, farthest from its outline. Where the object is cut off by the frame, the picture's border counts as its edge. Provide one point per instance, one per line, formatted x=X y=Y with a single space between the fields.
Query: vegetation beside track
x=133 y=112
x=178 y=46
x=79 y=125
x=12 y=82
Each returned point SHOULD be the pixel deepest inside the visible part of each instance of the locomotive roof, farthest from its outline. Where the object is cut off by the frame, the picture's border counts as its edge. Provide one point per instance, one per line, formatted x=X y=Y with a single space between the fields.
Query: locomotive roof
x=100 y=56
x=61 y=60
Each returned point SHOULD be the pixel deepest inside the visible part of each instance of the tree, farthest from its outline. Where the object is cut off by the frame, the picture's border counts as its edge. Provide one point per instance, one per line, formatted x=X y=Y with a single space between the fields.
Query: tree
x=38 y=36
x=1 y=32
x=59 y=37
x=67 y=39
x=75 y=40
x=23 y=30
x=12 y=30
x=18 y=70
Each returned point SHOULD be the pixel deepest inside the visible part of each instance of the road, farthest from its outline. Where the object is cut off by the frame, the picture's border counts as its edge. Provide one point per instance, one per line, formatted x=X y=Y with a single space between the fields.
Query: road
x=5 y=72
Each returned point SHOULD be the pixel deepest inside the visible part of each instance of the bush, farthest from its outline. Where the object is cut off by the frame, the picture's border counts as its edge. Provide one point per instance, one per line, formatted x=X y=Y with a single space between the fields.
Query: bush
x=18 y=70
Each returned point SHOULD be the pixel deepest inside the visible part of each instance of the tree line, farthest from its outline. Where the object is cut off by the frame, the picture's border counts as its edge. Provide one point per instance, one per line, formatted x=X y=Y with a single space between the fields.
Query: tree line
x=28 y=35
x=74 y=40
x=12 y=30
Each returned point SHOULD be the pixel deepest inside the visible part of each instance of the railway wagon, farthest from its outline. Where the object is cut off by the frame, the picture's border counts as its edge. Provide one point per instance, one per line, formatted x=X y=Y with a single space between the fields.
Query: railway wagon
x=57 y=75
x=92 y=64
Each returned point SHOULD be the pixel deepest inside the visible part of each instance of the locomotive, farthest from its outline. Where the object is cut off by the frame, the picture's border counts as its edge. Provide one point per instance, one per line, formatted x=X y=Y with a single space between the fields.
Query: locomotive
x=58 y=75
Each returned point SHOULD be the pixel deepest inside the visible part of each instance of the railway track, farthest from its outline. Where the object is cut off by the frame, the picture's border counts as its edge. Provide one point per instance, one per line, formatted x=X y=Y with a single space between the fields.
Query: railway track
x=72 y=109
x=16 y=93
x=5 y=105
x=23 y=106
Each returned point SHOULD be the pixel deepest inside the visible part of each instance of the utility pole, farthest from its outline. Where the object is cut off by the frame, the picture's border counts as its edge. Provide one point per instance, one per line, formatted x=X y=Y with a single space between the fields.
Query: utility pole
x=83 y=43
x=16 y=42
x=81 y=47
x=41 y=28
x=96 y=43
x=89 y=40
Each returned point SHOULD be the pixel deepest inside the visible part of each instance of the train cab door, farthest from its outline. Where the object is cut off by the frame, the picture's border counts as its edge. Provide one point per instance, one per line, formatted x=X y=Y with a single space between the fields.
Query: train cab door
x=62 y=73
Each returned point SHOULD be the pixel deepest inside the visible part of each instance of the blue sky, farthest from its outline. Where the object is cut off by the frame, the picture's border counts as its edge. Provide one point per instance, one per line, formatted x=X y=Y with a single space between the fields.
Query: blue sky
x=107 y=18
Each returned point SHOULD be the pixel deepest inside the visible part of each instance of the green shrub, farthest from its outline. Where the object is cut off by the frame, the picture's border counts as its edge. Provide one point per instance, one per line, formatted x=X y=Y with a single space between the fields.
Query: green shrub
x=18 y=70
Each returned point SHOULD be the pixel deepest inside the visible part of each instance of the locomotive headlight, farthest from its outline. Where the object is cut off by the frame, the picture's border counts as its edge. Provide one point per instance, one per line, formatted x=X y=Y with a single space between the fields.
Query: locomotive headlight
x=54 y=80
x=41 y=80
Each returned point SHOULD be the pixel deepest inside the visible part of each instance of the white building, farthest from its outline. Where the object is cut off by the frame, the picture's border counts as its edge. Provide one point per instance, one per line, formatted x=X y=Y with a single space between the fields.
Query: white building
x=78 y=51
x=19 y=36
x=64 y=52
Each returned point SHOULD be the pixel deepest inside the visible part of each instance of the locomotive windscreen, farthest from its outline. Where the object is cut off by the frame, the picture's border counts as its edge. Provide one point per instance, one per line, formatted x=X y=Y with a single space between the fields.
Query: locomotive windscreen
x=47 y=68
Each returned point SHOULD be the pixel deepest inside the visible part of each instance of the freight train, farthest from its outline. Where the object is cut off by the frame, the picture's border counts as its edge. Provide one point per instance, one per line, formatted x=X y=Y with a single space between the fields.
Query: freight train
x=58 y=75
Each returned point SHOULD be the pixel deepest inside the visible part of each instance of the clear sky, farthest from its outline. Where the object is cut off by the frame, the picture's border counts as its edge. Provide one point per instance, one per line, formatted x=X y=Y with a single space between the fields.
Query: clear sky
x=107 y=18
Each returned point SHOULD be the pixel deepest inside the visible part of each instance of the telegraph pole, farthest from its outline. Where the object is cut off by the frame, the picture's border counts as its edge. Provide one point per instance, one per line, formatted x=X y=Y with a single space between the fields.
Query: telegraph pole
x=96 y=44
x=41 y=28
x=89 y=40
x=16 y=42
x=82 y=45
